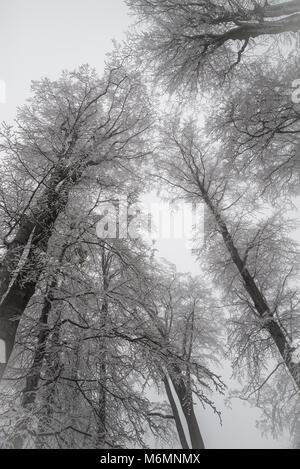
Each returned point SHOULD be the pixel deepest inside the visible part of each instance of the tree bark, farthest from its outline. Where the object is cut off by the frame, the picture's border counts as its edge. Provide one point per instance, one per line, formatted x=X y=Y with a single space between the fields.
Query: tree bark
x=15 y=289
x=281 y=9
x=185 y=397
x=180 y=431
x=271 y=325
x=102 y=385
x=253 y=30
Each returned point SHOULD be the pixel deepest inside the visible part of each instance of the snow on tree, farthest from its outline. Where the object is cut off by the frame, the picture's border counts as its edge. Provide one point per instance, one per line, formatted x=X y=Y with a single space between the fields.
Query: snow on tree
x=72 y=128
x=193 y=43
x=248 y=252
x=257 y=123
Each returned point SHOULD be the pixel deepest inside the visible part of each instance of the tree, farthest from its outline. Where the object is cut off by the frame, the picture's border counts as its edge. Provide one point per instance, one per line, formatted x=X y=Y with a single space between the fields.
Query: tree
x=83 y=383
x=250 y=252
x=195 y=42
x=244 y=163
x=82 y=338
x=278 y=401
x=183 y=318
x=73 y=128
x=89 y=343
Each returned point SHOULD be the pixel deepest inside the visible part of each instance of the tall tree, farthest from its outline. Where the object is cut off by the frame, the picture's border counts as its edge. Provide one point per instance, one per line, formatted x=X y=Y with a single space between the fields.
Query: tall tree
x=193 y=42
x=249 y=249
x=74 y=127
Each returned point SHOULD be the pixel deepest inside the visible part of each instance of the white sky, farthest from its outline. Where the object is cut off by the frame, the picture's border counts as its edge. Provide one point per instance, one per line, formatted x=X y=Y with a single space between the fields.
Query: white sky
x=41 y=38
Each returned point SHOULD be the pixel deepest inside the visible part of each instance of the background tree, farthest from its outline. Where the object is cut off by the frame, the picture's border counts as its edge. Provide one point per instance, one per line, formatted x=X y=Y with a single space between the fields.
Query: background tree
x=183 y=318
x=257 y=123
x=248 y=250
x=197 y=43
x=90 y=345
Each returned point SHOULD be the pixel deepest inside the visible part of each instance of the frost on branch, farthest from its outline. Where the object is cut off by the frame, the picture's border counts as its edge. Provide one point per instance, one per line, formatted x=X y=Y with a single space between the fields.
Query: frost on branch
x=296 y=352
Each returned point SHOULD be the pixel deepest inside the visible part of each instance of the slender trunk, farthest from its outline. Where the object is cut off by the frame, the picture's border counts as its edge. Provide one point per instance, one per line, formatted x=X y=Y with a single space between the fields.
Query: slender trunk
x=101 y=424
x=180 y=430
x=184 y=392
x=271 y=325
x=105 y=265
x=185 y=397
x=282 y=9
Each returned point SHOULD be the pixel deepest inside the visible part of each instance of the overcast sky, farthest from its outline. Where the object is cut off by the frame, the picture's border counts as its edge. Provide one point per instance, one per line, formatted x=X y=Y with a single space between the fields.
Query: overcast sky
x=41 y=38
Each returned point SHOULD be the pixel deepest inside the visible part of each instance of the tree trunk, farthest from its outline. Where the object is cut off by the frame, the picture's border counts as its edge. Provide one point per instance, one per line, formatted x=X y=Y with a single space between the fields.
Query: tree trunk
x=180 y=431
x=105 y=266
x=282 y=9
x=32 y=380
x=251 y=30
x=53 y=368
x=102 y=390
x=35 y=230
x=271 y=325
x=185 y=397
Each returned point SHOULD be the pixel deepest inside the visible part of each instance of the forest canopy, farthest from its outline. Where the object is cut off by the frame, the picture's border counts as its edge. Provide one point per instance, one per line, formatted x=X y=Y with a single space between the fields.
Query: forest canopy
x=104 y=344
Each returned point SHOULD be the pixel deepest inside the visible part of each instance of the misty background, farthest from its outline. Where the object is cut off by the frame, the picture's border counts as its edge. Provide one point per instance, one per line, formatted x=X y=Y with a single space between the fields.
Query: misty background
x=40 y=39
